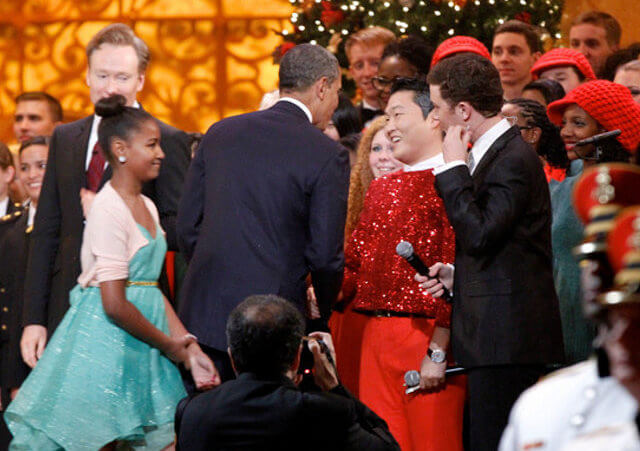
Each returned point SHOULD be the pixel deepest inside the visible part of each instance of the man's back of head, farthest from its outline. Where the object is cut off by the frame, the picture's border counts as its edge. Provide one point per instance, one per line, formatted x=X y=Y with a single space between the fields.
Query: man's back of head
x=264 y=333
x=311 y=74
x=595 y=34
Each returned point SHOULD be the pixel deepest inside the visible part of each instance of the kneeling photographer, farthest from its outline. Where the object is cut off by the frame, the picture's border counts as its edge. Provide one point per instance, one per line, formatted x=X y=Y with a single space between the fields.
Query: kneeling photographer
x=262 y=408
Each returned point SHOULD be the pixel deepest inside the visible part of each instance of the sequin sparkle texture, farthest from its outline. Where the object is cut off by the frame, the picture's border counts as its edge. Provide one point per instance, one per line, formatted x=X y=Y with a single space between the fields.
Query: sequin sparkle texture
x=401 y=206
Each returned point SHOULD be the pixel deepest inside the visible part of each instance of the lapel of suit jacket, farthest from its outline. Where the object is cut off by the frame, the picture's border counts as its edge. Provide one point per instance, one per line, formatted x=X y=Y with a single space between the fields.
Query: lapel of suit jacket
x=492 y=153
x=79 y=149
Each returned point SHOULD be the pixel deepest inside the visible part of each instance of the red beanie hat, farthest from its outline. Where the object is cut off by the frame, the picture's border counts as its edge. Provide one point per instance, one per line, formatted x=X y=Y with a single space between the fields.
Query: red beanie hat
x=610 y=104
x=459 y=44
x=564 y=57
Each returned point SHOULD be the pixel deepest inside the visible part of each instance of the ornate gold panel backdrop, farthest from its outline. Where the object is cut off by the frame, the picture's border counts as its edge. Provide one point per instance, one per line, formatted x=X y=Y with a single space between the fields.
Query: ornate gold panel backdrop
x=210 y=58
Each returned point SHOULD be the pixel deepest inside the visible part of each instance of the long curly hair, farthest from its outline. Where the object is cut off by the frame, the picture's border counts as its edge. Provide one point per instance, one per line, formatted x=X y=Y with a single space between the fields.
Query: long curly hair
x=361 y=176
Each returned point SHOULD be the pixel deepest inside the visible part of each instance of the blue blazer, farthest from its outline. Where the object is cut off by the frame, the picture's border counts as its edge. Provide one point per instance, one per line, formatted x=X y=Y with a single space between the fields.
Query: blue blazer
x=264 y=205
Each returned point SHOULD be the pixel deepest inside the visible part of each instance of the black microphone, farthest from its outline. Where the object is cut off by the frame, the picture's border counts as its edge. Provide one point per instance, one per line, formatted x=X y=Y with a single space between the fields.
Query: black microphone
x=597 y=138
x=405 y=250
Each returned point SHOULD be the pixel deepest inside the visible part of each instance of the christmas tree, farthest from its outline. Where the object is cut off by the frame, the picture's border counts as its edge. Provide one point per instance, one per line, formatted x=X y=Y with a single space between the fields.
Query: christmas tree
x=329 y=23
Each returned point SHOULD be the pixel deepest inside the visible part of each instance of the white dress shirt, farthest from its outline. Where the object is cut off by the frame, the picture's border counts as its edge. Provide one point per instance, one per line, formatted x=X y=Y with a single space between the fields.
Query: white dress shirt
x=93 y=138
x=429 y=163
x=480 y=147
x=300 y=105
x=4 y=205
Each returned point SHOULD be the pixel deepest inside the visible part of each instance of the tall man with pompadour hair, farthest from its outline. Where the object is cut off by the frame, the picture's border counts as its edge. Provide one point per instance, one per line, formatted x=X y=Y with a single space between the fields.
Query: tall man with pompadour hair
x=505 y=324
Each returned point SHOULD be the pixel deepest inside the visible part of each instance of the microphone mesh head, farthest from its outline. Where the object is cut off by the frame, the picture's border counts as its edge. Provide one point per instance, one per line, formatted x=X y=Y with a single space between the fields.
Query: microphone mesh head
x=412 y=378
x=404 y=249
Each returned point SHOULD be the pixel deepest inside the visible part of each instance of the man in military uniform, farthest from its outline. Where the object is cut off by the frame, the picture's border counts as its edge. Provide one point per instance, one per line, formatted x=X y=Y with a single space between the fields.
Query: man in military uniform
x=594 y=405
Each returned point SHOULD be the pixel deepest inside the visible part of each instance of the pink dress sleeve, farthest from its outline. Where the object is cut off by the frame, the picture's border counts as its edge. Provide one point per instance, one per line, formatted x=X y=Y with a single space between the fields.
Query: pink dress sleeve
x=109 y=244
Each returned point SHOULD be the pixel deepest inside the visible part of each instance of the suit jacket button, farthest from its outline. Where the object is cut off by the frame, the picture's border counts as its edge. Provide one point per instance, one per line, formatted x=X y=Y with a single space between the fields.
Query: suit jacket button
x=2 y=290
x=5 y=309
x=4 y=327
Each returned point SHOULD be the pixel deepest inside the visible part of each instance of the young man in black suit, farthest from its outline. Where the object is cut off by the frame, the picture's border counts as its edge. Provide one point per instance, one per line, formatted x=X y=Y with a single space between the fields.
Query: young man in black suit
x=117 y=60
x=263 y=409
x=505 y=323
x=265 y=204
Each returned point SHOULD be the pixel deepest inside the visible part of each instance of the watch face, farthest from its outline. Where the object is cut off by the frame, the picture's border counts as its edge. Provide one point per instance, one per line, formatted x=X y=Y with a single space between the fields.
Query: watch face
x=438 y=356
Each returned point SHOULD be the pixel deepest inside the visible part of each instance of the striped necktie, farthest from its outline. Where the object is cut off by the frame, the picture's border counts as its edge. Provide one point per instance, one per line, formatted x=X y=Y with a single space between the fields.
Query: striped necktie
x=96 y=168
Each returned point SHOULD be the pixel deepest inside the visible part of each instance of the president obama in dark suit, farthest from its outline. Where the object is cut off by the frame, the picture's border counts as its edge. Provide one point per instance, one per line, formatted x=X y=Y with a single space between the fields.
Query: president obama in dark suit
x=117 y=60
x=264 y=204
x=505 y=323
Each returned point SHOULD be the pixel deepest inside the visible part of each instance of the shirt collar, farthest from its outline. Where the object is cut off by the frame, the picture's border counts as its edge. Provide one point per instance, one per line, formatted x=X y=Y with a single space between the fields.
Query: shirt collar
x=429 y=163
x=367 y=106
x=484 y=142
x=300 y=105
x=4 y=206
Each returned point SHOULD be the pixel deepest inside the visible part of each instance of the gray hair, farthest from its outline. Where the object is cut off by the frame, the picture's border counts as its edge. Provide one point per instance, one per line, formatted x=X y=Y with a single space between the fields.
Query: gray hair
x=305 y=64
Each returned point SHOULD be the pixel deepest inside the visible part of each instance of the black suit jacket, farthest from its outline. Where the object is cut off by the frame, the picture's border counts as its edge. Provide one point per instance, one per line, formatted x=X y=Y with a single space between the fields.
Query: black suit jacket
x=54 y=260
x=505 y=307
x=252 y=414
x=264 y=204
x=14 y=249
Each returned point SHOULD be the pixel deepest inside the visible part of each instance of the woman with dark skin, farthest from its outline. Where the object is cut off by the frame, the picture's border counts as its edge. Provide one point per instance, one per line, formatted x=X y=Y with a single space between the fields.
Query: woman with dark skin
x=107 y=378
x=408 y=57
x=584 y=112
x=536 y=129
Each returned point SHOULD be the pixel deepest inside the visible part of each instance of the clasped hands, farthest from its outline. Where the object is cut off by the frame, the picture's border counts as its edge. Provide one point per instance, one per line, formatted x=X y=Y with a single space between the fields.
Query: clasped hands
x=185 y=350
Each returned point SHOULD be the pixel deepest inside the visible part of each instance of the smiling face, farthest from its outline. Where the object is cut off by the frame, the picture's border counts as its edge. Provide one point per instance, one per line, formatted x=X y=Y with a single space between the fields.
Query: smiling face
x=407 y=128
x=442 y=111
x=142 y=151
x=381 y=160
x=114 y=69
x=33 y=162
x=363 y=66
x=577 y=125
x=565 y=75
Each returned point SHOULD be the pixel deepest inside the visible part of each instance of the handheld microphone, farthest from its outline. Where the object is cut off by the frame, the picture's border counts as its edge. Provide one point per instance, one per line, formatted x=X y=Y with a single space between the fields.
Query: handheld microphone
x=412 y=378
x=597 y=138
x=405 y=250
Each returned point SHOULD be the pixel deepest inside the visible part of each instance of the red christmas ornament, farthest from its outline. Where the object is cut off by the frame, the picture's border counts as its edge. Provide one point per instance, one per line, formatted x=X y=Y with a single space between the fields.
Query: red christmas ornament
x=330 y=15
x=523 y=16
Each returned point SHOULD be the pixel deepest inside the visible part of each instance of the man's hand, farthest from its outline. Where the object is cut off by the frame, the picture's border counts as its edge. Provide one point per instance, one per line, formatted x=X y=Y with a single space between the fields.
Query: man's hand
x=456 y=144
x=34 y=339
x=324 y=373
x=431 y=285
x=311 y=306
x=432 y=374
x=86 y=199
x=204 y=372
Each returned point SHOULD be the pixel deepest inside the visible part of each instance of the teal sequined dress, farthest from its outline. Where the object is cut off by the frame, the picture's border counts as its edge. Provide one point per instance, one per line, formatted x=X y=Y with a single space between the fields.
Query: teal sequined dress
x=96 y=383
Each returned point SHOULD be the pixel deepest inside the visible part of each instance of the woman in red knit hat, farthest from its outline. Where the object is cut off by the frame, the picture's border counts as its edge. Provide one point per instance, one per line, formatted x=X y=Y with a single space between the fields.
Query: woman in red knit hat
x=568 y=67
x=591 y=108
x=457 y=45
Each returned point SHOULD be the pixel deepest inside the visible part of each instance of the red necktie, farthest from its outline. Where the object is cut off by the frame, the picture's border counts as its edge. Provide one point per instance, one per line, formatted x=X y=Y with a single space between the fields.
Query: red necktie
x=96 y=168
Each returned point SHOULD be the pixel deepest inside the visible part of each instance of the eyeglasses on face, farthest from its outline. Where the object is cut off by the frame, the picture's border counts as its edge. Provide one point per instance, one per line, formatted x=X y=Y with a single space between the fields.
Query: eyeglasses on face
x=384 y=83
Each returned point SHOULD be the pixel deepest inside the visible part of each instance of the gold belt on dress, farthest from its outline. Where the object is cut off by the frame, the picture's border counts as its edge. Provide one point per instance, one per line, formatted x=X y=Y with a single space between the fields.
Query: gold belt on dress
x=141 y=283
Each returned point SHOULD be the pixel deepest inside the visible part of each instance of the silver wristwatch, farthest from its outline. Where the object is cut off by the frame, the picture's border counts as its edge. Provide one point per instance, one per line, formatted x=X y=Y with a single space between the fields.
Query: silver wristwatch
x=437 y=355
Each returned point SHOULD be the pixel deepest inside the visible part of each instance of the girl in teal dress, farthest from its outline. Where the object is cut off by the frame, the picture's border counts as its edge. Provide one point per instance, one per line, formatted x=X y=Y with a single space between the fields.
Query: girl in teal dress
x=107 y=379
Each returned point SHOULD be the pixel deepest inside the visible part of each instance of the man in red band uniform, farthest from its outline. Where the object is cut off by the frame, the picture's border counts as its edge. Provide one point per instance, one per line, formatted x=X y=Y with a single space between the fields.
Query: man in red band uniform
x=404 y=323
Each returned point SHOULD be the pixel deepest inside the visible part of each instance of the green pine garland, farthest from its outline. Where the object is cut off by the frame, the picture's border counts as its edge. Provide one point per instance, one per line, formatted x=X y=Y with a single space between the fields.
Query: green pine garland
x=325 y=22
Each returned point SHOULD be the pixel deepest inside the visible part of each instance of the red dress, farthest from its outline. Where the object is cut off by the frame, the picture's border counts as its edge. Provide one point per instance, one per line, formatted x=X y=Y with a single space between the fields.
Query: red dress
x=402 y=206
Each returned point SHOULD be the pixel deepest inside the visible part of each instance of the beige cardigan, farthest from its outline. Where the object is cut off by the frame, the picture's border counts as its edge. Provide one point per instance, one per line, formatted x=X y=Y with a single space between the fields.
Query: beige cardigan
x=111 y=238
